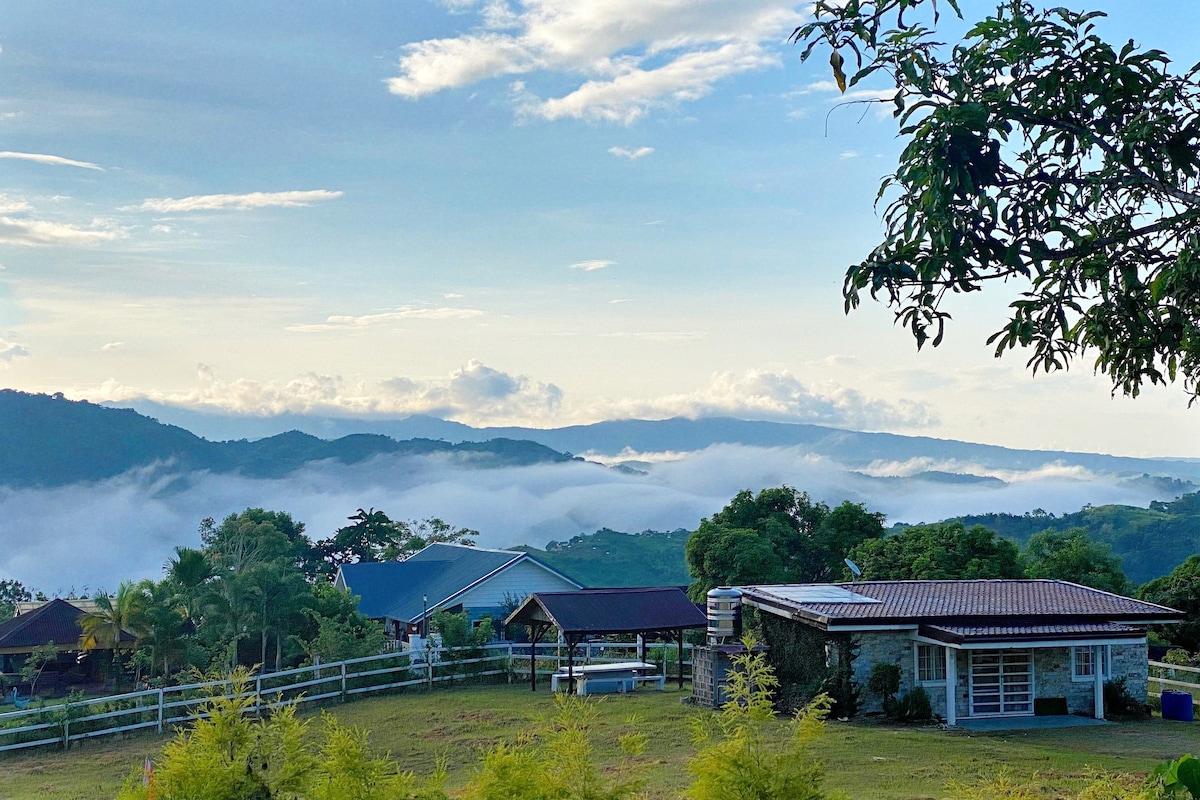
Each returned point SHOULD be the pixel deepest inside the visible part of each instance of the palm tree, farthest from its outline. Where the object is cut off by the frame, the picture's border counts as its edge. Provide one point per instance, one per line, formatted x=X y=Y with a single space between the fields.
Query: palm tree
x=113 y=616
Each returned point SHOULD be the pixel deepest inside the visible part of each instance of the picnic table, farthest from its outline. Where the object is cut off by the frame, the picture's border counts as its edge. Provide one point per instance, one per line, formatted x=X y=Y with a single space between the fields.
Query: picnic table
x=620 y=676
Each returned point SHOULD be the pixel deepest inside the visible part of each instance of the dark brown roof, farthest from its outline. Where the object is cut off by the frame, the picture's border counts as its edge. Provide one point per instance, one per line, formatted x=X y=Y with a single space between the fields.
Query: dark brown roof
x=957 y=634
x=990 y=602
x=56 y=621
x=602 y=611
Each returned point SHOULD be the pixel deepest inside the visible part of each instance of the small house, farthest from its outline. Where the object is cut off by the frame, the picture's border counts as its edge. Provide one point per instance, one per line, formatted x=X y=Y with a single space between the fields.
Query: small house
x=980 y=648
x=447 y=577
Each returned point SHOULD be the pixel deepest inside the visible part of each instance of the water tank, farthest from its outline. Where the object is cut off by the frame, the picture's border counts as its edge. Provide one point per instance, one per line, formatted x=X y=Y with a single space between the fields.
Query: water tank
x=724 y=615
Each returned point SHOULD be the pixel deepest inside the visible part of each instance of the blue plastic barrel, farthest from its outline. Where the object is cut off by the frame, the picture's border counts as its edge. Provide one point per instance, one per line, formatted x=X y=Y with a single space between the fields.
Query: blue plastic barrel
x=1177 y=705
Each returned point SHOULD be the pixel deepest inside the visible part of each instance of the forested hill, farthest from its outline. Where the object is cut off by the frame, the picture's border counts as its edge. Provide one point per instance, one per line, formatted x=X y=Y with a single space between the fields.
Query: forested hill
x=50 y=441
x=1150 y=541
x=611 y=558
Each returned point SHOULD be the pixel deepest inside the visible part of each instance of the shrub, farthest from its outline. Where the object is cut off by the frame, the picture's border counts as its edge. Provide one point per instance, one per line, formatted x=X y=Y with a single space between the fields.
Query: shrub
x=1120 y=703
x=914 y=706
x=884 y=683
x=743 y=755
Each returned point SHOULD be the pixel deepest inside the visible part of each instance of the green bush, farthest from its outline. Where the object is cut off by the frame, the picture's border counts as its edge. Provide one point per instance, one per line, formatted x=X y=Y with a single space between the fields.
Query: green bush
x=914 y=706
x=884 y=683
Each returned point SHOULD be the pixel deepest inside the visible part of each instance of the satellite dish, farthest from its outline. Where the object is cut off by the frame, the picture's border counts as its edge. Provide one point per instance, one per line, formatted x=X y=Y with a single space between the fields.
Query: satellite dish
x=853 y=567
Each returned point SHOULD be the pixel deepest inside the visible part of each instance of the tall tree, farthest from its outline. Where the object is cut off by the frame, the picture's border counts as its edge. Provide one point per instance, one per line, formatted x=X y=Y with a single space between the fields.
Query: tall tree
x=114 y=615
x=1179 y=590
x=942 y=551
x=374 y=536
x=1040 y=158
x=1073 y=556
x=11 y=593
x=779 y=534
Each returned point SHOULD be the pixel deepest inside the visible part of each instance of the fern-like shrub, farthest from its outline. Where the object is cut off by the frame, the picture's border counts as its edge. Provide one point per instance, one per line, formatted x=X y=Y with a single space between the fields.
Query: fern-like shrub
x=745 y=753
x=231 y=755
x=557 y=762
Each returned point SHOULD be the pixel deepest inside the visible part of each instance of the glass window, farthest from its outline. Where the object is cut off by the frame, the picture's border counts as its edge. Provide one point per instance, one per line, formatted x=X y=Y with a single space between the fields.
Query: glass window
x=931 y=663
x=1083 y=663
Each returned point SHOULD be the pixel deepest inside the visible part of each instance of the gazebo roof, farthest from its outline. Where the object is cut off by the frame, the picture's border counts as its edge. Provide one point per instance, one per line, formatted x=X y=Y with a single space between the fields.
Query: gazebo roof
x=610 y=611
x=56 y=621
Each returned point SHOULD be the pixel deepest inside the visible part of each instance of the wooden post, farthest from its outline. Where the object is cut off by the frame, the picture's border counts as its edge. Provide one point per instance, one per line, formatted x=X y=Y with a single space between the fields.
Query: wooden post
x=641 y=647
x=1098 y=673
x=951 y=687
x=258 y=695
x=681 y=659
x=160 y=712
x=343 y=681
x=570 y=666
x=536 y=632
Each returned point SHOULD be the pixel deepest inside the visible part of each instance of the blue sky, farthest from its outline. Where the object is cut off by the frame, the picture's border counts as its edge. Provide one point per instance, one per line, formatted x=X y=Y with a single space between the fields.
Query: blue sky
x=543 y=212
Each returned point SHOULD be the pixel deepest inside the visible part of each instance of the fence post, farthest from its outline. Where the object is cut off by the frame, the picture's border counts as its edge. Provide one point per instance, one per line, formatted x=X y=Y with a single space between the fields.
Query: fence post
x=67 y=726
x=429 y=666
x=343 y=681
x=258 y=696
x=510 y=662
x=160 y=712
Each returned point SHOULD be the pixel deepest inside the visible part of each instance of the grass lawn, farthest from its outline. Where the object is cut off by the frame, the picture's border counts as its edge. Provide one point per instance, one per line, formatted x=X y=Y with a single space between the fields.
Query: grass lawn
x=863 y=759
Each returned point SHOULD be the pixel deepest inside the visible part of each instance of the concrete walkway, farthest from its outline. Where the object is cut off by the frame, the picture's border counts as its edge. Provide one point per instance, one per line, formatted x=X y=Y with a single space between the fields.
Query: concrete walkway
x=1028 y=723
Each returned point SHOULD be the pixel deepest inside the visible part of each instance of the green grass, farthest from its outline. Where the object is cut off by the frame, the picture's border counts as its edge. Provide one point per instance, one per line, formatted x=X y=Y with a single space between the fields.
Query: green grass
x=863 y=759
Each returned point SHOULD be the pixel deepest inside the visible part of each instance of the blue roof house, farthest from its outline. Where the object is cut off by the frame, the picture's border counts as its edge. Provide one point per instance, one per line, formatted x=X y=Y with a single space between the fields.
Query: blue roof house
x=447 y=577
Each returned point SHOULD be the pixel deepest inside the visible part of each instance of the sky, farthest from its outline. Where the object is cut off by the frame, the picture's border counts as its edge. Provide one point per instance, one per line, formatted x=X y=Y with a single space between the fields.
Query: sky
x=536 y=212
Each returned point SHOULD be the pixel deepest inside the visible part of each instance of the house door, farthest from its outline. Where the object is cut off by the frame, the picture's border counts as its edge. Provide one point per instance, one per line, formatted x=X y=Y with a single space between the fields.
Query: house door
x=1001 y=683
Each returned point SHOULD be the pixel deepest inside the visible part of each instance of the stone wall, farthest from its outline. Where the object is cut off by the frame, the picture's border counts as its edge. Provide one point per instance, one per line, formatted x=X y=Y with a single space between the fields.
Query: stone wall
x=1130 y=661
x=884 y=647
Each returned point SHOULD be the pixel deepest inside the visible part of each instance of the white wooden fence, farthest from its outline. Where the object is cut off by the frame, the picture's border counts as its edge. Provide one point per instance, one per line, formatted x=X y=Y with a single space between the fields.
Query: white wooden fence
x=1171 y=676
x=161 y=709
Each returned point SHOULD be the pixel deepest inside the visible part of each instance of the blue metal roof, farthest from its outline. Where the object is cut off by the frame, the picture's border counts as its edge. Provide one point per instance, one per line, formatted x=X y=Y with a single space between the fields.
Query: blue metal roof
x=394 y=589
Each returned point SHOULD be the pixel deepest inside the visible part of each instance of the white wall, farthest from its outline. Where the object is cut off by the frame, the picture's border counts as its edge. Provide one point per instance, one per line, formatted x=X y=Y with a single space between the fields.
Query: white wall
x=522 y=579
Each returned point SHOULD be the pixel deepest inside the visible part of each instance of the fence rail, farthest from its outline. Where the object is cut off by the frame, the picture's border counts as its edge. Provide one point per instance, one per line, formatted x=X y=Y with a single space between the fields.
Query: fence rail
x=159 y=709
x=1164 y=676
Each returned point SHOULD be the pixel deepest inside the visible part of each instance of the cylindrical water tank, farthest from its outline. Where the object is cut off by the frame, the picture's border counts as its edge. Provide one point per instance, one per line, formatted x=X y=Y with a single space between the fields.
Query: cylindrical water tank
x=724 y=615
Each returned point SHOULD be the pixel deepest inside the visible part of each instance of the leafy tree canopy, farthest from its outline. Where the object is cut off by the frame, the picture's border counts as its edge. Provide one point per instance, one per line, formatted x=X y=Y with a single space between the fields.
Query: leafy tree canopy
x=1073 y=556
x=942 y=551
x=374 y=536
x=1042 y=157
x=778 y=535
x=11 y=593
x=1180 y=590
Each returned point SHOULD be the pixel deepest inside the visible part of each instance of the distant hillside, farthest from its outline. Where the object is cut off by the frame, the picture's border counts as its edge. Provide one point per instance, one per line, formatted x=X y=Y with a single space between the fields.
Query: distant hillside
x=854 y=449
x=1150 y=541
x=51 y=441
x=612 y=558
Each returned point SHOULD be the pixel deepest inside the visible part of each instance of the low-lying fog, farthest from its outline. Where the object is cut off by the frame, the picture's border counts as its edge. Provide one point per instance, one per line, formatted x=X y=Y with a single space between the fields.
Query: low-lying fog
x=85 y=537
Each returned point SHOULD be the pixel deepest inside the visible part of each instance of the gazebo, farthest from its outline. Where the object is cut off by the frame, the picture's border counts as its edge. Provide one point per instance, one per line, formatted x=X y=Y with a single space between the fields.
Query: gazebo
x=581 y=615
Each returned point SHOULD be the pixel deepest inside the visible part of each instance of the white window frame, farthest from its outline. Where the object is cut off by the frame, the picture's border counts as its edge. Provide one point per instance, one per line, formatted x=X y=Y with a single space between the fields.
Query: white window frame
x=1105 y=658
x=937 y=659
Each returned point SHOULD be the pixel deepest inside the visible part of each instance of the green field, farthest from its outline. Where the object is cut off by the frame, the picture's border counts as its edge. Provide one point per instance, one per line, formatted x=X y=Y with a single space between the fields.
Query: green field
x=863 y=759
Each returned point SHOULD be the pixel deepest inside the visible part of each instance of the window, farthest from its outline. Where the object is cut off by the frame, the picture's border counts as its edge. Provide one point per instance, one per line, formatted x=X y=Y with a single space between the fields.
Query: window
x=1083 y=663
x=931 y=663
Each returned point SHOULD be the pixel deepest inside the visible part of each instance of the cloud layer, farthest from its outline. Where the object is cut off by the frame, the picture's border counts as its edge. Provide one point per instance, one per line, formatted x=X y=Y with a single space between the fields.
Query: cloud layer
x=632 y=55
x=57 y=161
x=97 y=535
x=237 y=202
x=478 y=394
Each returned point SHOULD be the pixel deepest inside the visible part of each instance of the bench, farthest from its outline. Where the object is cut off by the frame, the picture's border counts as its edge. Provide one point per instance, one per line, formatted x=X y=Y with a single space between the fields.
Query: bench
x=589 y=686
x=660 y=679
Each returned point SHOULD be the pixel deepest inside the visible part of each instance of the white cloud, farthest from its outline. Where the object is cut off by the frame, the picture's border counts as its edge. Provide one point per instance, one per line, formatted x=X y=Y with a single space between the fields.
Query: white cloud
x=758 y=394
x=632 y=55
x=45 y=159
x=43 y=233
x=632 y=155
x=13 y=205
x=848 y=154
x=11 y=351
x=108 y=346
x=474 y=394
x=594 y=264
x=452 y=296
x=237 y=202
x=346 y=322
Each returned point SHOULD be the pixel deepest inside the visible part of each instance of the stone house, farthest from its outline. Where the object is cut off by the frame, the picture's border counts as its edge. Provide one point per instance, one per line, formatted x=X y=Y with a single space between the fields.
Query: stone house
x=999 y=648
